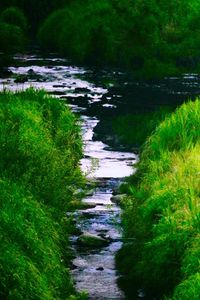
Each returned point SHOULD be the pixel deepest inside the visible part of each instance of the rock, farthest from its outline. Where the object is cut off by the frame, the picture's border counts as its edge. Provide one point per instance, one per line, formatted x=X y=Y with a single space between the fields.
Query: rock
x=78 y=192
x=88 y=214
x=58 y=86
x=78 y=262
x=4 y=72
x=75 y=204
x=89 y=192
x=86 y=205
x=116 y=191
x=141 y=293
x=21 y=79
x=31 y=72
x=81 y=90
x=118 y=198
x=92 y=241
x=105 y=236
x=100 y=269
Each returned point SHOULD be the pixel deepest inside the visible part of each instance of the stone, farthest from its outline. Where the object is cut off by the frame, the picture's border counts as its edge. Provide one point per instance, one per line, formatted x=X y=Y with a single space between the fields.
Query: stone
x=31 y=72
x=92 y=241
x=141 y=293
x=21 y=79
x=105 y=236
x=79 y=262
x=90 y=192
x=118 y=198
x=100 y=269
x=87 y=205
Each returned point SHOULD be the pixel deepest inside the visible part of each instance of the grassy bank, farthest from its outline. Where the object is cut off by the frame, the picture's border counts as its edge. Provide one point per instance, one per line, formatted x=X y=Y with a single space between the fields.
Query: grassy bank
x=39 y=172
x=162 y=212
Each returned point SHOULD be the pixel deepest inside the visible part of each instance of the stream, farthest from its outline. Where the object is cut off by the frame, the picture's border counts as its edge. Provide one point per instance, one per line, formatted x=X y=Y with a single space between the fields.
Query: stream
x=97 y=96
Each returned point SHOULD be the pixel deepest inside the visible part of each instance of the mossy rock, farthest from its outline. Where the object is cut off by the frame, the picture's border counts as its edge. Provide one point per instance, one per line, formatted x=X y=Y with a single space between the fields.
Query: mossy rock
x=92 y=241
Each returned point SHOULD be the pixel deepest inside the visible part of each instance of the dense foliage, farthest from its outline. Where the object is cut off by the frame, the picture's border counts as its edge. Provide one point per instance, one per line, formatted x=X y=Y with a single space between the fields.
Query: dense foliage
x=39 y=172
x=153 y=36
x=35 y=10
x=12 y=30
x=162 y=215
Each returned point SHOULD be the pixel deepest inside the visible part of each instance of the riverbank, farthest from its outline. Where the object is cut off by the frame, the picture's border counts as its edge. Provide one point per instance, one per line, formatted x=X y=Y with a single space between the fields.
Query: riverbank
x=39 y=165
x=161 y=213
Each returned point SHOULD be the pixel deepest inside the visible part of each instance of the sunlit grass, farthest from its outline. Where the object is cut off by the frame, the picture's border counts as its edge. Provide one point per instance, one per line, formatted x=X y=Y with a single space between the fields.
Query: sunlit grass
x=39 y=172
x=163 y=212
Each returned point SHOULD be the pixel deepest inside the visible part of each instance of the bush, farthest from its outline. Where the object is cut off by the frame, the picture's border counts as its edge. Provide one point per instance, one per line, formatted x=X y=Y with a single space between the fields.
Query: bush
x=14 y=16
x=146 y=36
x=12 y=38
x=78 y=27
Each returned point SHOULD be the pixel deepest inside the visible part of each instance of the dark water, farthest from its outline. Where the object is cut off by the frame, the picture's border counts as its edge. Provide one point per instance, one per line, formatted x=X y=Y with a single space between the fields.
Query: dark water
x=98 y=96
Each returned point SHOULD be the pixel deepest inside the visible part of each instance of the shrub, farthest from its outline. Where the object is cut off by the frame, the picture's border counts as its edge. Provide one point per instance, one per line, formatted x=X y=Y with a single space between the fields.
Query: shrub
x=12 y=38
x=14 y=16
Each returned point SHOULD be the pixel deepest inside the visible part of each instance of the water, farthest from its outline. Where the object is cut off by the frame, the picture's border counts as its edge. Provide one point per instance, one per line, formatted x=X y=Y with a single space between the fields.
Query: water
x=93 y=269
x=98 y=96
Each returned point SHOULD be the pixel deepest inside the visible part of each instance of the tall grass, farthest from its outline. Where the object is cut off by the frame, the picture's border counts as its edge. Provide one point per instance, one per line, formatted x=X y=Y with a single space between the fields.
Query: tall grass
x=162 y=212
x=39 y=172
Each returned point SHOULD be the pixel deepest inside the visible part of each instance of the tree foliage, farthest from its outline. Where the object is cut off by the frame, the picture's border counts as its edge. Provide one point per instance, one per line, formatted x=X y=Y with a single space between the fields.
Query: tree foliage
x=151 y=34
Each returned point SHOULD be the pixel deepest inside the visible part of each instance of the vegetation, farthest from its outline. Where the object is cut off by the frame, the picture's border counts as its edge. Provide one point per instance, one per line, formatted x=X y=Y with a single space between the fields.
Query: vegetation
x=147 y=36
x=39 y=172
x=12 y=30
x=162 y=214
x=35 y=10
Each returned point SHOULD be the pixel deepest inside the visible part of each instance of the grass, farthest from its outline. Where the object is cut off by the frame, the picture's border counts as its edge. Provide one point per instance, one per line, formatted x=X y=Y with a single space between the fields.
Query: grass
x=162 y=211
x=39 y=174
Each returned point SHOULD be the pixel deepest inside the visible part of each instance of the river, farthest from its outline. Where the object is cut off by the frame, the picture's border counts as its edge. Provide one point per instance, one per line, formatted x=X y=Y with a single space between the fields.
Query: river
x=96 y=96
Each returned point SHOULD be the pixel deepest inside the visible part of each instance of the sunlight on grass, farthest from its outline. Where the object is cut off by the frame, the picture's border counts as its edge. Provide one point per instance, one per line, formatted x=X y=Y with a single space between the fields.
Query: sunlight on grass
x=163 y=211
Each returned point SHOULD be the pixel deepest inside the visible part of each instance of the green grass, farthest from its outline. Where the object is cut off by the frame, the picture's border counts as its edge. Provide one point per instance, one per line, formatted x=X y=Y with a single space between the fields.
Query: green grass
x=39 y=172
x=162 y=211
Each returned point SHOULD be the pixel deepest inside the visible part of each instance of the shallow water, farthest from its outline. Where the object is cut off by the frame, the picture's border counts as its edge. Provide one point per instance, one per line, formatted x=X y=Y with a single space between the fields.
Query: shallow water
x=95 y=96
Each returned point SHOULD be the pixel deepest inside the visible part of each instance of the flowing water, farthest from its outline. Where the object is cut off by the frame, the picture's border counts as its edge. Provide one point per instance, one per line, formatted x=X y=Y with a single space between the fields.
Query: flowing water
x=96 y=96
